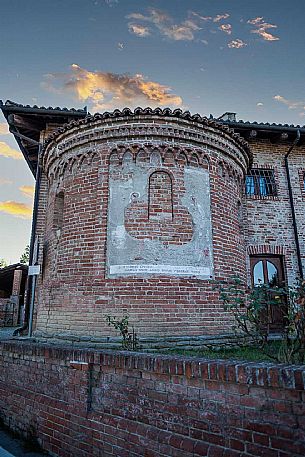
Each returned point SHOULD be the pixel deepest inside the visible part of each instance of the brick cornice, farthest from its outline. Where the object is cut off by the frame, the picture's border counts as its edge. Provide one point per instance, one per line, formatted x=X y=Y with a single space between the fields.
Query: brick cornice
x=166 y=126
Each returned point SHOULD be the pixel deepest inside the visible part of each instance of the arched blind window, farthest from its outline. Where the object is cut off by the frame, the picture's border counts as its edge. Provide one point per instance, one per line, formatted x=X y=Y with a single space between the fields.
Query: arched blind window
x=160 y=202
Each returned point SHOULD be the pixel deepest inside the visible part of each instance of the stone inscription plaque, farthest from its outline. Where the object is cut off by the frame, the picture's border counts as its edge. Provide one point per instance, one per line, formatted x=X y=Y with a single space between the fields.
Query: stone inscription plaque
x=160 y=269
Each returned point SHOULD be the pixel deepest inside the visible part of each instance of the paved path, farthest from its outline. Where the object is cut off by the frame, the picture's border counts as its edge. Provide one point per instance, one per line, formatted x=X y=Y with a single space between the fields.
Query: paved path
x=13 y=447
x=4 y=453
x=6 y=333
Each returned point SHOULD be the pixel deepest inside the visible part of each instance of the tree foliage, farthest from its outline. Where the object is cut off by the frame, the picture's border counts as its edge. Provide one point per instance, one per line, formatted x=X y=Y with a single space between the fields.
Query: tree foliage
x=3 y=263
x=25 y=257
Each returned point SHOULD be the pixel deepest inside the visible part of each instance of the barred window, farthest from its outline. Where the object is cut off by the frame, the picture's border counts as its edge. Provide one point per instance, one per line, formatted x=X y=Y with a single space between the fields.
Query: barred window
x=261 y=182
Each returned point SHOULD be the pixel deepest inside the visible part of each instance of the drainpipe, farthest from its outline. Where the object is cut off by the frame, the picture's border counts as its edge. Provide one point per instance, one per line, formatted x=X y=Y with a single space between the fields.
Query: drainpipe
x=30 y=290
x=294 y=222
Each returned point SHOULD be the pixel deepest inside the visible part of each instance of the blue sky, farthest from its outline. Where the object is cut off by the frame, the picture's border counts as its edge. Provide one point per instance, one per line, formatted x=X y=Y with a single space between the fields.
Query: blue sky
x=207 y=56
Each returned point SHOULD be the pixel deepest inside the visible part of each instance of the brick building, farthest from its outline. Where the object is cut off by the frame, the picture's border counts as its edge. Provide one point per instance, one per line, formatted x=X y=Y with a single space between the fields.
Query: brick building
x=137 y=212
x=12 y=287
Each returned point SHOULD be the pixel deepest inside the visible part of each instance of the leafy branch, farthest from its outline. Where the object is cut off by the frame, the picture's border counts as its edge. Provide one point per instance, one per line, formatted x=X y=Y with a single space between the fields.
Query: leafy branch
x=250 y=307
x=130 y=341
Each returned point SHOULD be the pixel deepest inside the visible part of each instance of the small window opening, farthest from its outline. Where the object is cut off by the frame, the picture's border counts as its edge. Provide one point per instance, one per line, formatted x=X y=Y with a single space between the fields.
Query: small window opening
x=261 y=182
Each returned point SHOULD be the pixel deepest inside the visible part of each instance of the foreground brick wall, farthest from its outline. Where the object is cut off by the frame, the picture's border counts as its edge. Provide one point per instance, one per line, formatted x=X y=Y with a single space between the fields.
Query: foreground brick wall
x=91 y=403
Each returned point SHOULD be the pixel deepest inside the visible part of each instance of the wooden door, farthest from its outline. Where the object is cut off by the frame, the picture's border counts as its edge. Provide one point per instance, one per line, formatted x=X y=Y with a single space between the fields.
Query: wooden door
x=269 y=270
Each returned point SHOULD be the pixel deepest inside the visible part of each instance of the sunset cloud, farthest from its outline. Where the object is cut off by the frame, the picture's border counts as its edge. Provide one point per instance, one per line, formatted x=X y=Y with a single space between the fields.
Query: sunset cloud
x=4 y=181
x=7 y=151
x=203 y=18
x=138 y=16
x=221 y=17
x=4 y=128
x=261 y=28
x=290 y=103
x=227 y=28
x=188 y=29
x=16 y=209
x=139 y=30
x=27 y=191
x=110 y=90
x=184 y=31
x=237 y=44
x=111 y=2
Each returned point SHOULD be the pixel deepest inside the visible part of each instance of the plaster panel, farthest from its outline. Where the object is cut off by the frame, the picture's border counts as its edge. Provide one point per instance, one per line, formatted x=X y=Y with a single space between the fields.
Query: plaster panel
x=159 y=252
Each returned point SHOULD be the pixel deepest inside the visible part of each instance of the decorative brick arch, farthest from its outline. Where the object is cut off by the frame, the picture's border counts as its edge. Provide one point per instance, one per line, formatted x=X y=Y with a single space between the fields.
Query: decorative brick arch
x=266 y=249
x=160 y=217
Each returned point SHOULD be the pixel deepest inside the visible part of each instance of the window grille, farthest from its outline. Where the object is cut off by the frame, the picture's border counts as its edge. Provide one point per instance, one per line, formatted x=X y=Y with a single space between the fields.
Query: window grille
x=261 y=182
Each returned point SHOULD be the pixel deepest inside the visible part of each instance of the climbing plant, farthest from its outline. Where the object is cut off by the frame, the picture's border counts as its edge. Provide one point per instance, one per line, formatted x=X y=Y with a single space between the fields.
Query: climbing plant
x=250 y=308
x=130 y=341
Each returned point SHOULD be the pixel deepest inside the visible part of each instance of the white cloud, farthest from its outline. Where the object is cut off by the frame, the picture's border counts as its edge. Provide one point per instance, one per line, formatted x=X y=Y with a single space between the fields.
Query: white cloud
x=237 y=44
x=261 y=28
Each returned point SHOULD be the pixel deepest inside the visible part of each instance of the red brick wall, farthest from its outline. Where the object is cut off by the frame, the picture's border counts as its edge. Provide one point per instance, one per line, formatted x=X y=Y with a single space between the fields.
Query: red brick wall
x=268 y=221
x=89 y=403
x=75 y=294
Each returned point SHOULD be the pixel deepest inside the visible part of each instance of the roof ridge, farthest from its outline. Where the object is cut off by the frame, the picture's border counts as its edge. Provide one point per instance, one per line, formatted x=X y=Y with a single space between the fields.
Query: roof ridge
x=9 y=103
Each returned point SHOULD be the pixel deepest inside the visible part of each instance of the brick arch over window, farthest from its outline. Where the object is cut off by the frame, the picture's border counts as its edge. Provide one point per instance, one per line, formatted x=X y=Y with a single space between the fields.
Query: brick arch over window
x=266 y=249
x=160 y=196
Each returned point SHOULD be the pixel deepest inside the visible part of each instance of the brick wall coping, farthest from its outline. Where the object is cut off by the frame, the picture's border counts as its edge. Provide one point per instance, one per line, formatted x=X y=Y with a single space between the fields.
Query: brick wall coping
x=261 y=374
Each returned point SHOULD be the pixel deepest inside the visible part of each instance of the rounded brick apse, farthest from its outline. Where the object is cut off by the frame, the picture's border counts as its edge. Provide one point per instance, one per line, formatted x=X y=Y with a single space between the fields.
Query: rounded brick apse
x=141 y=211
